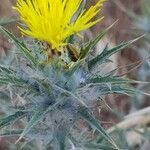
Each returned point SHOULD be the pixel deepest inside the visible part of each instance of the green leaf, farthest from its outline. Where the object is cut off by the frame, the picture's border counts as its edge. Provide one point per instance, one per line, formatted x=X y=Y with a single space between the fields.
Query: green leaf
x=7 y=75
x=103 y=89
x=38 y=115
x=13 y=80
x=108 y=79
x=121 y=90
x=21 y=46
x=8 y=133
x=115 y=89
x=87 y=48
x=6 y=69
x=12 y=118
x=90 y=45
x=84 y=113
x=107 y=53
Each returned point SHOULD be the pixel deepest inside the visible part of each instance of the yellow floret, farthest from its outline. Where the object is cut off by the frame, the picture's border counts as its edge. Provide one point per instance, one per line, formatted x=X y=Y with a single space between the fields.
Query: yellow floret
x=53 y=21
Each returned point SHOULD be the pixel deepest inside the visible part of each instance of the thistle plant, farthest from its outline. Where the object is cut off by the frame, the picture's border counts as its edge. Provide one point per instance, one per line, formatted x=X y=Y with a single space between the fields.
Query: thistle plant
x=54 y=79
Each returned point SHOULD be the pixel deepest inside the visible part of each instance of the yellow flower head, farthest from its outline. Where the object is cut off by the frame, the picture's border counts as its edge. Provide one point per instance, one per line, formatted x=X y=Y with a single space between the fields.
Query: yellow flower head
x=53 y=21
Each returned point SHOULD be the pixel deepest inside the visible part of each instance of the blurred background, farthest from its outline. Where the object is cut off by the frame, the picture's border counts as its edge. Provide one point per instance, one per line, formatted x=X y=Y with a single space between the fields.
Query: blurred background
x=132 y=114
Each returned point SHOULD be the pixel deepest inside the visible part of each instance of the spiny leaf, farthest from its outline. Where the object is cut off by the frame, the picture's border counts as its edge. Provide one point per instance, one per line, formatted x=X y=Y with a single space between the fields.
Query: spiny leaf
x=12 y=80
x=103 y=89
x=90 y=45
x=7 y=75
x=8 y=133
x=121 y=90
x=115 y=89
x=6 y=69
x=84 y=113
x=21 y=46
x=12 y=118
x=108 y=79
x=81 y=101
x=106 y=54
x=38 y=115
